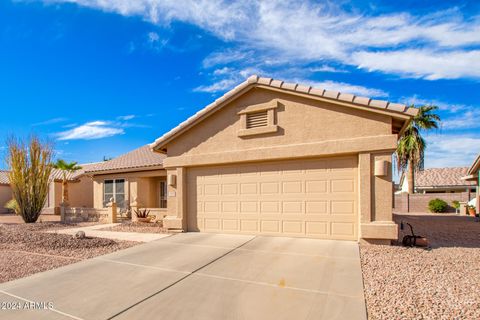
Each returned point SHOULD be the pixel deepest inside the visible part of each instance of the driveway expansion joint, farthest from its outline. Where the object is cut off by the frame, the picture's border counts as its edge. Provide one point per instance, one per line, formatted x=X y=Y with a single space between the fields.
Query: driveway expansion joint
x=30 y=301
x=182 y=278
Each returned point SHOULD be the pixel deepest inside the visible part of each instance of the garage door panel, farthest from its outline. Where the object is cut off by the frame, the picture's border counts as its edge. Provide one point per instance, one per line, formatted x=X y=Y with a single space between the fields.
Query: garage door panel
x=309 y=198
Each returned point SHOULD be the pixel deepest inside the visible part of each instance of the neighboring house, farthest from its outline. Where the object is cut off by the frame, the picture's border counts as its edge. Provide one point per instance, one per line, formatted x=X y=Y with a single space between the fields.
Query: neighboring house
x=473 y=176
x=135 y=179
x=279 y=158
x=5 y=191
x=80 y=190
x=439 y=180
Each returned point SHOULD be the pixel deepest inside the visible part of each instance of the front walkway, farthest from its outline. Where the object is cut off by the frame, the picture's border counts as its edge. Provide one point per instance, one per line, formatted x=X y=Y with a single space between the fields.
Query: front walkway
x=93 y=231
x=202 y=276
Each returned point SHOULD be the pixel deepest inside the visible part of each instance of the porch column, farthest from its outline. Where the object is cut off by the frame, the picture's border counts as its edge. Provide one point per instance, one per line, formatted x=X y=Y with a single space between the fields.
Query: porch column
x=176 y=199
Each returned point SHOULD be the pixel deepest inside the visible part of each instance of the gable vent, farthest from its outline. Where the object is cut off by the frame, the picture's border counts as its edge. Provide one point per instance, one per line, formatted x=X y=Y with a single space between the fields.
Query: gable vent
x=257 y=119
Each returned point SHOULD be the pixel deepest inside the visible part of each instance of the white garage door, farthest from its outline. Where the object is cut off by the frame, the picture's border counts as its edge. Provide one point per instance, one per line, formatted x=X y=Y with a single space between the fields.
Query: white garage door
x=306 y=198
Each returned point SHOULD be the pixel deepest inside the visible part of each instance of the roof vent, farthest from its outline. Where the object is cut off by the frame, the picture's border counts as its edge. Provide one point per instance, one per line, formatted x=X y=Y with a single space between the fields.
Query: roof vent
x=257 y=119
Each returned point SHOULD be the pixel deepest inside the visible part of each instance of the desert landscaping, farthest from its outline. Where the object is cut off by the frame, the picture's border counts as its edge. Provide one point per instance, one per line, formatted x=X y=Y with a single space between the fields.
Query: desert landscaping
x=26 y=249
x=441 y=282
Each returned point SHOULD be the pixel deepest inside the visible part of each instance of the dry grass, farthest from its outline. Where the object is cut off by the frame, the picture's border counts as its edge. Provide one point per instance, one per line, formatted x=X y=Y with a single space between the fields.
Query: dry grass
x=412 y=283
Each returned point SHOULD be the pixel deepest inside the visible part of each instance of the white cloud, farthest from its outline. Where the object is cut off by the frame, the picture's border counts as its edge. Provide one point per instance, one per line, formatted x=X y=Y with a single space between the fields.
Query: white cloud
x=326 y=68
x=50 y=121
x=222 y=85
x=153 y=37
x=430 y=65
x=454 y=116
x=126 y=117
x=434 y=46
x=451 y=150
x=348 y=88
x=91 y=130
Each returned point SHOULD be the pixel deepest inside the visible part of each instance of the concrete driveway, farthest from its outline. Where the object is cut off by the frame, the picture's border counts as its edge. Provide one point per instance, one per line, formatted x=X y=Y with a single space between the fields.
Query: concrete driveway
x=202 y=276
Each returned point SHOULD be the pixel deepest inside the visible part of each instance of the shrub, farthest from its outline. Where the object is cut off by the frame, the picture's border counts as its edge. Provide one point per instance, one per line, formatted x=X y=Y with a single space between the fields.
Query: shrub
x=456 y=204
x=142 y=213
x=29 y=166
x=437 y=205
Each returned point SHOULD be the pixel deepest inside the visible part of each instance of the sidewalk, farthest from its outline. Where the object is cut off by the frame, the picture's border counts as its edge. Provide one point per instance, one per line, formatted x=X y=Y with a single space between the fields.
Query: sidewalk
x=93 y=231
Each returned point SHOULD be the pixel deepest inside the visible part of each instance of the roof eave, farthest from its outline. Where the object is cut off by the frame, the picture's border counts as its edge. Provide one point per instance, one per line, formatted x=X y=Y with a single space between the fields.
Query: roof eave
x=124 y=170
x=367 y=104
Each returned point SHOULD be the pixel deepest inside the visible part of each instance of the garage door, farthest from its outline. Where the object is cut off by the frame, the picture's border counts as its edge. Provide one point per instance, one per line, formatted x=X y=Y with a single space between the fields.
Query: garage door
x=306 y=198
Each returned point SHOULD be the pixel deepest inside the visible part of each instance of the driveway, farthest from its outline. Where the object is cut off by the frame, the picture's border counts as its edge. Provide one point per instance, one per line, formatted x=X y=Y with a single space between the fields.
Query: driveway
x=202 y=276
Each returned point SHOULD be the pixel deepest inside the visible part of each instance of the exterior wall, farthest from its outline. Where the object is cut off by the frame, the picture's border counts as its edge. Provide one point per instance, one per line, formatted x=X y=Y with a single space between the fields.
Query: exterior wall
x=297 y=118
x=5 y=196
x=80 y=194
x=307 y=128
x=419 y=202
x=140 y=188
x=54 y=195
x=73 y=215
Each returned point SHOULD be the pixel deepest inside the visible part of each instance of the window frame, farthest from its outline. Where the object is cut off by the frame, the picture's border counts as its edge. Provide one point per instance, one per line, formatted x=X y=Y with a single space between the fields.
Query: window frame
x=114 y=193
x=163 y=194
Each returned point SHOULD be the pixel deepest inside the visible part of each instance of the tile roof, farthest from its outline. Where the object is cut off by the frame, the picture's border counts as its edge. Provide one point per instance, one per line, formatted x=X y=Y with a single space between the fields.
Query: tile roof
x=142 y=157
x=439 y=177
x=4 y=177
x=255 y=80
x=475 y=166
x=56 y=174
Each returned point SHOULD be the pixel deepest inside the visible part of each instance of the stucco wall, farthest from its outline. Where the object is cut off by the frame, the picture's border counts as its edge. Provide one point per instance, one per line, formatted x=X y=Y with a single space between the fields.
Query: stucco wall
x=307 y=128
x=80 y=194
x=138 y=185
x=405 y=202
x=300 y=121
x=5 y=196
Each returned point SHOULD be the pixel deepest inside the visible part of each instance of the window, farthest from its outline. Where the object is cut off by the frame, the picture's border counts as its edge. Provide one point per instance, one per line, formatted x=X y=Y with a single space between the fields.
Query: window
x=257 y=119
x=114 y=189
x=163 y=194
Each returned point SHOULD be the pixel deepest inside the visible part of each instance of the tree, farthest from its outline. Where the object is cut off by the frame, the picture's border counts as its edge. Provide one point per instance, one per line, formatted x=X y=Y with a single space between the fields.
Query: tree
x=29 y=174
x=66 y=168
x=411 y=146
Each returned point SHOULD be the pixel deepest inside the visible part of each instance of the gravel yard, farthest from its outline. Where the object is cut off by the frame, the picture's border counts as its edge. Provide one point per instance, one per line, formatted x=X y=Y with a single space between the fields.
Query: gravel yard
x=142 y=227
x=414 y=283
x=25 y=249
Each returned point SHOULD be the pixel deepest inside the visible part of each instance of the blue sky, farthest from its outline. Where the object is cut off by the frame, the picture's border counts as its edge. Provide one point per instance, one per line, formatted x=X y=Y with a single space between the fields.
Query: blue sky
x=100 y=78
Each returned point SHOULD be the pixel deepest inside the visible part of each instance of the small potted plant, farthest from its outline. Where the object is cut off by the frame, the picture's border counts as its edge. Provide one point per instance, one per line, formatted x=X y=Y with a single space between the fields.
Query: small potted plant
x=143 y=215
x=456 y=205
x=471 y=210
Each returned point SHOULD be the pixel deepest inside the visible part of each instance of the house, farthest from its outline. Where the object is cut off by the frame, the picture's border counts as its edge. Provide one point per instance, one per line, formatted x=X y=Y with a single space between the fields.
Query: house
x=5 y=191
x=133 y=180
x=80 y=190
x=277 y=158
x=473 y=176
x=439 y=180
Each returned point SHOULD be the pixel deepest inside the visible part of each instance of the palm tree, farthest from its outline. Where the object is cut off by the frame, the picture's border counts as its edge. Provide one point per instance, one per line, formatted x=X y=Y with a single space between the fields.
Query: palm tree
x=411 y=146
x=66 y=167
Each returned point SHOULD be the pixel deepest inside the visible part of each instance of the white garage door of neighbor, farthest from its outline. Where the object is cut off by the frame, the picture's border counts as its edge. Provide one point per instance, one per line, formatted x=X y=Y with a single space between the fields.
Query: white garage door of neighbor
x=306 y=198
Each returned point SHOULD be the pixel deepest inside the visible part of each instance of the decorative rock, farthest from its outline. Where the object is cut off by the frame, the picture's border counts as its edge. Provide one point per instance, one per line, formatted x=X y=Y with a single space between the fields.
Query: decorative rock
x=79 y=235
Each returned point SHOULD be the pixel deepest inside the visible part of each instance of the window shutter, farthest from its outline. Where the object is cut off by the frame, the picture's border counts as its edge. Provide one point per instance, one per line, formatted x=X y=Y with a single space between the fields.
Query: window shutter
x=257 y=119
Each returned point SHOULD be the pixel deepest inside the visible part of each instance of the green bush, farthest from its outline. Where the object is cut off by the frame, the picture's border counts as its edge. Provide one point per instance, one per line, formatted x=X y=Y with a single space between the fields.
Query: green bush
x=437 y=205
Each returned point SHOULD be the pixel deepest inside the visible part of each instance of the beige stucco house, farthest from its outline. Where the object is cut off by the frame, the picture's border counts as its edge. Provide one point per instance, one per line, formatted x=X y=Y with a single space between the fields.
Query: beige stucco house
x=80 y=189
x=5 y=191
x=133 y=180
x=439 y=180
x=473 y=175
x=278 y=158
